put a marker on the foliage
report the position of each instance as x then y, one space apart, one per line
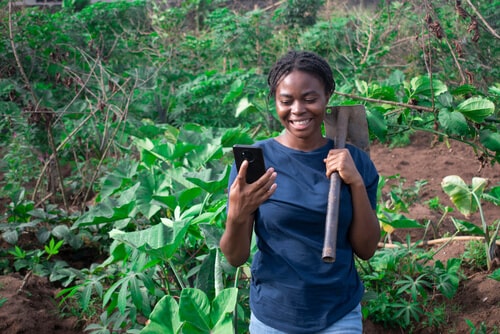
404 290
474 255
116 122
468 200
393 205
481 328
194 313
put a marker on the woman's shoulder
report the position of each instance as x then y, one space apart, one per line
354 150
264 142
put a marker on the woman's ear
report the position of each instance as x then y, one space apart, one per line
328 96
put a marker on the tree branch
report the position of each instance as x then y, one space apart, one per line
492 31
392 103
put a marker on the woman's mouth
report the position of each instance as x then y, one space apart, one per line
300 124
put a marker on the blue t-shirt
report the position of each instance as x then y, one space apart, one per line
292 289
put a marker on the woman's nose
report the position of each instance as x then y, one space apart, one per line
298 108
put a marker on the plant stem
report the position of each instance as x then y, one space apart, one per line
177 277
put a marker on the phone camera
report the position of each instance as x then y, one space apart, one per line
247 155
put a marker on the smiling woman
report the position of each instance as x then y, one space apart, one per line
287 209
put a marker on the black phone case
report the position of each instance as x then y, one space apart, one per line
255 158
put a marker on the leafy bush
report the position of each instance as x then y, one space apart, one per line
404 290
116 121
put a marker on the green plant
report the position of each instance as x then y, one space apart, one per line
164 214
467 199
300 13
482 329
495 275
475 256
434 204
53 248
194 313
403 289
394 203
2 301
108 95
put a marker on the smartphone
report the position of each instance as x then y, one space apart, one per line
255 158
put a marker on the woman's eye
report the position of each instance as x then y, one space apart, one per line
286 102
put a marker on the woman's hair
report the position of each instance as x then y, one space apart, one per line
305 61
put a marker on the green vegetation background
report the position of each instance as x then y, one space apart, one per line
117 121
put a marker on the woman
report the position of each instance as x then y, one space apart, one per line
292 289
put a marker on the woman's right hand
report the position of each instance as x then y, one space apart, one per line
245 198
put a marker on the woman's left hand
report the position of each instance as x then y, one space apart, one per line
340 160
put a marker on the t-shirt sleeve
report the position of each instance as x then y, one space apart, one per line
369 173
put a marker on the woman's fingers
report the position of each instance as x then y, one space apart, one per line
340 160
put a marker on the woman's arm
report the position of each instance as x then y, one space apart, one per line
364 233
244 199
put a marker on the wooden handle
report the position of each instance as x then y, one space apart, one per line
332 212
332 220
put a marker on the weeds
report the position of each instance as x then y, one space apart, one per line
404 290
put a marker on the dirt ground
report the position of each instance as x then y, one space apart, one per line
35 310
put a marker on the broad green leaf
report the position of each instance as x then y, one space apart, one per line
464 198
85 297
109 293
449 279
467 227
361 86
399 221
454 122
160 240
422 86
61 231
122 174
152 185
490 139
209 181
225 325
110 210
243 106
205 279
135 292
212 234
188 196
154 151
223 304
235 136
476 108
234 91
165 318
495 275
493 195
122 295
10 237
446 100
377 123
465 90
194 308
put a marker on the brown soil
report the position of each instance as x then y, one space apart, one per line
35 309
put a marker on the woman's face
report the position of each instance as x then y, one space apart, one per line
300 104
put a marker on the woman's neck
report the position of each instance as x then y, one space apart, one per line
301 144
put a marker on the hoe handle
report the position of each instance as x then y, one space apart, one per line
332 212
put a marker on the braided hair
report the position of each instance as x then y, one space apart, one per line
305 61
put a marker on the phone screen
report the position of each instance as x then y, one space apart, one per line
255 158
